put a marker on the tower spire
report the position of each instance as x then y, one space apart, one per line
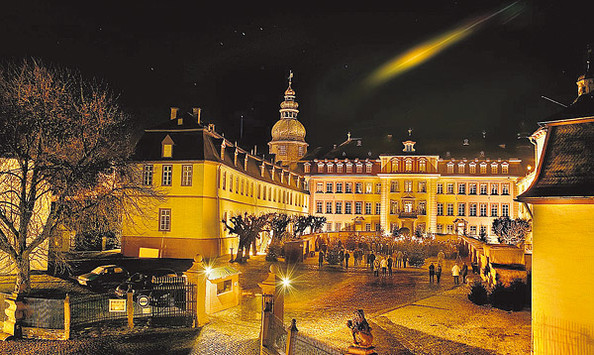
588 74
585 81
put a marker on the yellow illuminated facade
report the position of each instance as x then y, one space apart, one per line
424 193
204 179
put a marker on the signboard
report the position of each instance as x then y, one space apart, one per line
117 305
143 301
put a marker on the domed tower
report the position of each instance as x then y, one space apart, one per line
585 82
288 134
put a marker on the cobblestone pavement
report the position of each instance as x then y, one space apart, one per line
320 300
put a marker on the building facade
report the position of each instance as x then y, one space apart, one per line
423 192
202 179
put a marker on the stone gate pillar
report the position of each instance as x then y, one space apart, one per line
197 275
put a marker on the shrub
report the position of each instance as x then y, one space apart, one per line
273 252
509 298
478 293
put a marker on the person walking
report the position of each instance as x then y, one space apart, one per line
431 273
390 262
376 266
456 274
464 272
405 259
399 259
384 266
372 260
320 258
438 272
341 256
347 256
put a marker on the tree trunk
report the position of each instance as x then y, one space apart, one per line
23 277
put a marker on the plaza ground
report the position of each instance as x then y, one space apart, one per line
407 313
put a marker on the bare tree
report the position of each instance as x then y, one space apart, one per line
511 231
64 151
278 224
247 228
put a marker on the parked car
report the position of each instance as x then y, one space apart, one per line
103 277
151 286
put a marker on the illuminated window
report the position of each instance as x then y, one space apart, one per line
408 165
483 209
359 168
494 209
282 150
393 207
378 188
167 151
450 209
439 188
329 187
368 167
378 208
505 168
224 286
320 167
307 167
165 219
348 188
368 188
472 230
450 168
422 208
186 175
349 168
472 210
505 189
494 189
393 186
166 175
338 208
319 206
358 188
395 164
378 227
483 189
494 168
422 186
330 167
422 165
461 168
408 186
301 151
472 168
358 207
483 230
462 188
338 226
450 188
328 207
339 168
450 228
339 187
483 167
461 209
147 175
472 189
320 187
504 210
440 209
367 207
348 207
368 227
440 228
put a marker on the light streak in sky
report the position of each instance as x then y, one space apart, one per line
427 50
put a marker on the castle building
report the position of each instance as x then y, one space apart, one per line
288 134
203 179
356 189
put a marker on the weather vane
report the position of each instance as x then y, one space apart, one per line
290 76
410 132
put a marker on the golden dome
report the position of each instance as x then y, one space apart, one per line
289 91
288 130
289 104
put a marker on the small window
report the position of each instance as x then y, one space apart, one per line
282 150
167 150
348 207
186 175
147 175
505 168
165 219
166 175
225 286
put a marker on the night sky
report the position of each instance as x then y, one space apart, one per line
234 62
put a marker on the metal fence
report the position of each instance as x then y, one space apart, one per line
305 345
276 341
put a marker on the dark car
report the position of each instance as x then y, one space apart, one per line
103 277
159 288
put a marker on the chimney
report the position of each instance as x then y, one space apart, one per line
196 113
174 113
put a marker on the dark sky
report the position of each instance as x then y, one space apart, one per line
233 61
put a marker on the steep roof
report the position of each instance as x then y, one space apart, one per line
566 168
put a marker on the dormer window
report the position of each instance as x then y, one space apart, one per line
167 147
368 167
472 168
505 168
408 165
494 168
450 168
483 168
461 168
339 168
359 168
422 165
307 167
330 168
409 146
349 168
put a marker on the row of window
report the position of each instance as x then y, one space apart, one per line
408 165
242 186
483 188
482 168
472 230
330 187
408 186
408 206
167 175
340 167
348 227
474 209
282 150
348 207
